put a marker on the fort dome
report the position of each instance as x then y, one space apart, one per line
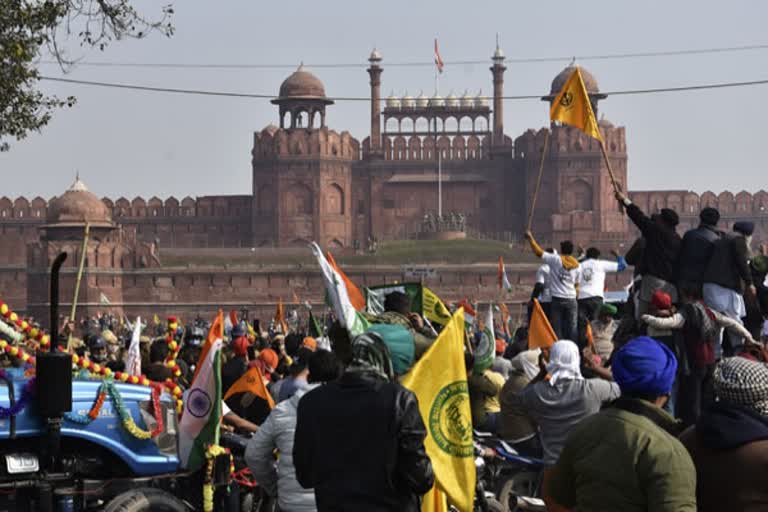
302 84
78 206
589 81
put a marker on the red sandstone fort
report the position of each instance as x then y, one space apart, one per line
311 182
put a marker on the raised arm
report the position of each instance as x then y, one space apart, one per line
676 321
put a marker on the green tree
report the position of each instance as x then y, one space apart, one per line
31 29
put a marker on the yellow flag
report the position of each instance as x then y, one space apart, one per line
433 308
572 106
540 332
439 381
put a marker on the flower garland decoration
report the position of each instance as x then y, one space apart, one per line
18 352
9 331
108 388
173 346
31 331
211 452
26 394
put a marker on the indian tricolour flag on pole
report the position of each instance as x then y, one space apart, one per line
438 59
199 426
338 297
504 283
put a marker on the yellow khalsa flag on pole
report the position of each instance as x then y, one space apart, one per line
439 381
572 106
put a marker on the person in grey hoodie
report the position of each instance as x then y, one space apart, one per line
279 479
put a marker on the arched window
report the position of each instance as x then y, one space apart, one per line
334 200
298 200
579 196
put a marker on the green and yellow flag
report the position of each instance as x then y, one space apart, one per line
439 381
572 106
433 307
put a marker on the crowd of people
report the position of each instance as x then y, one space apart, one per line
656 403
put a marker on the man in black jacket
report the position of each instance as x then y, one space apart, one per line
359 441
662 248
696 250
728 276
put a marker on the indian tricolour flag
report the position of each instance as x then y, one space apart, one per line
199 426
338 296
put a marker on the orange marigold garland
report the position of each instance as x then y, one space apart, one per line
173 346
22 325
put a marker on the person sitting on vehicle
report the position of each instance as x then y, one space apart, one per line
360 440
565 398
729 443
277 433
157 370
397 310
627 457
515 425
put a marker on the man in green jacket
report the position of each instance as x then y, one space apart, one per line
627 457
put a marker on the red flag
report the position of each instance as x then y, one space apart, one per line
438 59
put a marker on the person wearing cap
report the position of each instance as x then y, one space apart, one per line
309 343
728 276
603 328
694 348
627 457
560 401
729 443
697 247
501 364
660 255
359 441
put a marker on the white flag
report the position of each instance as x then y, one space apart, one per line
133 355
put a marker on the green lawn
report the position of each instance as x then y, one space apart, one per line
408 252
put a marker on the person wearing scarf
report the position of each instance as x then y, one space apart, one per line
729 443
627 456
359 441
564 398
514 424
565 274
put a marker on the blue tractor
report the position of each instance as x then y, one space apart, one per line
51 462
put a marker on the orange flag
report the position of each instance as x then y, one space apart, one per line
215 333
540 332
233 317
280 316
355 295
295 298
590 336
505 319
251 382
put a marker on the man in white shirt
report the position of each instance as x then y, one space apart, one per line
541 290
564 278
592 287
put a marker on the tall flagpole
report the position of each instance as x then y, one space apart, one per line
439 159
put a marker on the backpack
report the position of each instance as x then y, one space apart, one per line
699 332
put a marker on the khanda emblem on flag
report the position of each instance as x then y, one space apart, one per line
567 100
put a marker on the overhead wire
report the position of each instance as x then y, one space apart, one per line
351 65
202 92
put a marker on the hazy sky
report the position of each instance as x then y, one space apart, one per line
130 142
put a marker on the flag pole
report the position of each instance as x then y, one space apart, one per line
615 184
538 180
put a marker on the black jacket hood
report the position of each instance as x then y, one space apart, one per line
725 426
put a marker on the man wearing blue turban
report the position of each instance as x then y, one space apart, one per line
627 457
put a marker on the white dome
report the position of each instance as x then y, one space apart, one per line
467 101
408 101
422 101
393 101
480 100
436 101
452 100
375 56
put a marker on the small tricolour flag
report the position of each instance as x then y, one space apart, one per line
504 283
438 59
